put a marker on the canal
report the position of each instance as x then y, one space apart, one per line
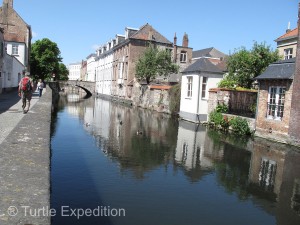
116 165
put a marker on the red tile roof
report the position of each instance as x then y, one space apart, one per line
289 34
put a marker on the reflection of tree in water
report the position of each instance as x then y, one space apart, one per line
232 172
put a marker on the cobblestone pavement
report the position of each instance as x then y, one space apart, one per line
25 160
11 111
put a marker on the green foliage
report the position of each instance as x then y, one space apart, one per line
222 108
155 62
240 126
174 101
244 65
45 59
63 72
227 83
216 118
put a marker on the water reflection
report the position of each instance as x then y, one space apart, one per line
262 174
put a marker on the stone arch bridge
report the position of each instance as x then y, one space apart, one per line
88 87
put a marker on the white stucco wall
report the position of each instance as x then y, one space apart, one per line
74 71
91 69
11 72
21 50
195 108
104 77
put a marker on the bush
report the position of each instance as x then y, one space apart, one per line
222 108
216 118
240 126
227 83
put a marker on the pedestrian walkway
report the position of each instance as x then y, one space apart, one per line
25 159
11 111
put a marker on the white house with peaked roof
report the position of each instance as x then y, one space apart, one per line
206 72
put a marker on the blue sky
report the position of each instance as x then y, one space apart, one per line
78 26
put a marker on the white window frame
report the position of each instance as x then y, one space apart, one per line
189 86
15 49
276 100
288 53
204 87
183 57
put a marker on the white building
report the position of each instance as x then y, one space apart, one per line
104 69
11 72
206 72
90 68
74 71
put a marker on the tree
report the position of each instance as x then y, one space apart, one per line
63 72
155 62
244 65
45 59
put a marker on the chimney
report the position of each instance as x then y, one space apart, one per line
288 29
294 121
175 49
175 39
185 40
9 3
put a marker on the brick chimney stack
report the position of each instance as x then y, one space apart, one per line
10 3
294 126
185 40
175 49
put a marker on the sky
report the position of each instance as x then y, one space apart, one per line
78 27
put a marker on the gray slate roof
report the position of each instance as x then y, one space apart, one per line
284 69
208 52
203 65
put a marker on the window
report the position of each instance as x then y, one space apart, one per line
189 86
121 70
183 57
15 50
288 53
204 82
276 103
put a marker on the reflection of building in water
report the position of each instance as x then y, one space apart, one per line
267 173
267 167
275 168
193 147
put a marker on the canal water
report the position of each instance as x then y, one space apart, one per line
116 165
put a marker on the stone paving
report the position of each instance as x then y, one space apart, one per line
11 111
25 160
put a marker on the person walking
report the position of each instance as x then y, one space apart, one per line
25 90
40 87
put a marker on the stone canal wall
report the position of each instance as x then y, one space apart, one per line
25 167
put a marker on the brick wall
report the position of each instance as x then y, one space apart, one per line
269 128
294 131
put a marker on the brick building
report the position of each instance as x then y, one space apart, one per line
115 61
17 33
274 100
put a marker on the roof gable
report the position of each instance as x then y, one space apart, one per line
208 52
148 33
288 35
207 65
